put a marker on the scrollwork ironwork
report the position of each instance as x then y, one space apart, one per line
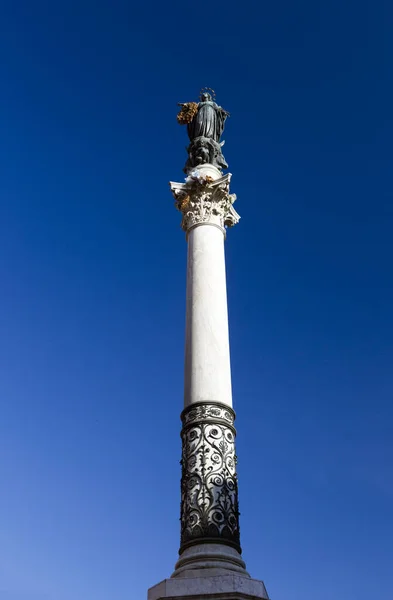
209 495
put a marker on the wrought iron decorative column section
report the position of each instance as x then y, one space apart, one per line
209 499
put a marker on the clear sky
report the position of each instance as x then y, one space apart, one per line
92 271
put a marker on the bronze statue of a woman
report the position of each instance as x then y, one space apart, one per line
205 124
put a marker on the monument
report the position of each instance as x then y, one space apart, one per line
210 565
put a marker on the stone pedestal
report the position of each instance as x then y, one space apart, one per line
210 565
219 587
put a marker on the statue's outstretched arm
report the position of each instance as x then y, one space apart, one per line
222 110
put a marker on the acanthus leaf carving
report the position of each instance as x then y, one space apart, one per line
203 200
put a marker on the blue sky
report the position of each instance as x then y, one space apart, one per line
92 271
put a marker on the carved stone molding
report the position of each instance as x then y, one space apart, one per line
209 495
204 200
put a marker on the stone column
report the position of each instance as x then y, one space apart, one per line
210 563
209 503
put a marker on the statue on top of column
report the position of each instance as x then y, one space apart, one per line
205 122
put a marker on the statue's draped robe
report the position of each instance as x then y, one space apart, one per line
208 122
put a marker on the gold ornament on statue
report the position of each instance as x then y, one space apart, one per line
187 112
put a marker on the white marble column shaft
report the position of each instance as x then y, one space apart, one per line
207 376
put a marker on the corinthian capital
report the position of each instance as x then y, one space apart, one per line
205 199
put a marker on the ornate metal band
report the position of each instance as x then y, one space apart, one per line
209 496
